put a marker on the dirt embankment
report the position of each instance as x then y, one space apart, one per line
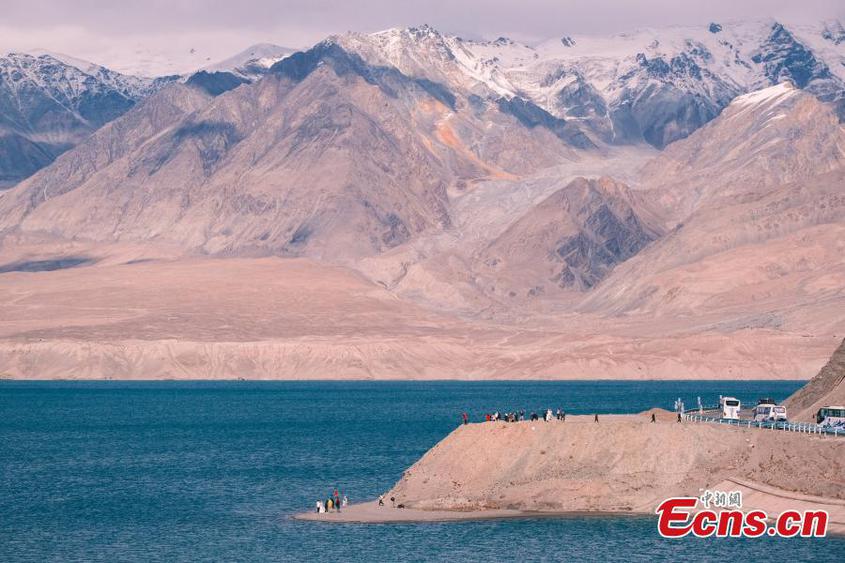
621 464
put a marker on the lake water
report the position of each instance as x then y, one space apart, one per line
184 471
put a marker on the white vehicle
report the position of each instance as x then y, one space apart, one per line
730 407
830 416
769 412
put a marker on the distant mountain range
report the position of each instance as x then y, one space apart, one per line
677 181
49 102
651 85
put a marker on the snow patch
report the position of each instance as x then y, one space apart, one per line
774 95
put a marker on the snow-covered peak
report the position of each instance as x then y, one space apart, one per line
252 61
659 84
67 77
771 96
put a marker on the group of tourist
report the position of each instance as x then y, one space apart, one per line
332 504
518 416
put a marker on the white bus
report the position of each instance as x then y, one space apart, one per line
730 407
769 412
830 416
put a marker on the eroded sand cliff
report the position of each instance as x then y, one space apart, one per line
621 464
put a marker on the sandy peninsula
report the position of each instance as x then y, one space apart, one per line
622 464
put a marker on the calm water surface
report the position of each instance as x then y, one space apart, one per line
183 471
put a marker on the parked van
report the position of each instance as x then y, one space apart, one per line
767 411
763 412
730 407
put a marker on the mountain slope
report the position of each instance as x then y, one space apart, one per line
326 156
657 85
243 68
773 136
102 149
48 106
759 222
571 240
653 85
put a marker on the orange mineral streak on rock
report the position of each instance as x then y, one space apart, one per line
446 135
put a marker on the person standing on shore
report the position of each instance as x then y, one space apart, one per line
596 419
381 500
466 418
652 417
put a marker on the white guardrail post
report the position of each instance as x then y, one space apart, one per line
800 427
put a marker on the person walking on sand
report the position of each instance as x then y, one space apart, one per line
652 417
596 418
563 415
679 416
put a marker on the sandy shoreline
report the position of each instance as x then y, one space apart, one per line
371 513
617 467
756 496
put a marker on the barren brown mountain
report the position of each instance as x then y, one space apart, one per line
759 251
570 241
327 156
361 212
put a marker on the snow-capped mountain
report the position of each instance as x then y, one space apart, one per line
651 85
656 85
49 102
243 68
253 62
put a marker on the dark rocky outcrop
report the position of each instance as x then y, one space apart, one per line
215 83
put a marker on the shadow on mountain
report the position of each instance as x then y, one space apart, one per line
64 263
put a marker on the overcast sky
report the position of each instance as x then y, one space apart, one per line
130 34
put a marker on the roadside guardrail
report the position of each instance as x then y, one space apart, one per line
800 427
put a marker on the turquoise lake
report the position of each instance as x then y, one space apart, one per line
212 471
